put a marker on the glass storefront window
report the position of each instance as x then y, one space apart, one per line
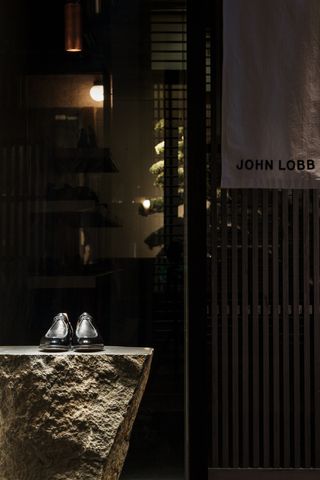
92 152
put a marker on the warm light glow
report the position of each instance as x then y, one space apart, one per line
146 204
73 27
97 93
98 6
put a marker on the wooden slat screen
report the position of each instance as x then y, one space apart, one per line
23 180
265 329
168 64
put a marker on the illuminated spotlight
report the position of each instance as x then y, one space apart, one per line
97 92
146 204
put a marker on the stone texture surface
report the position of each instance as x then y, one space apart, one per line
68 416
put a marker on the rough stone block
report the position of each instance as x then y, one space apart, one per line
68 416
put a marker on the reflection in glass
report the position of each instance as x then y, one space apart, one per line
92 152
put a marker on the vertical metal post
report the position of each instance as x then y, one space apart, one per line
276 399
196 268
296 330
215 26
316 320
256 330
286 380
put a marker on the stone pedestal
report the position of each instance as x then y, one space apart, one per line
68 416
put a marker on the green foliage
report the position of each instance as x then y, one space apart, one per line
157 168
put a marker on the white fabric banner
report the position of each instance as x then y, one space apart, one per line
271 94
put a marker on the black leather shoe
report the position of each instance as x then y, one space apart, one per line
59 336
86 337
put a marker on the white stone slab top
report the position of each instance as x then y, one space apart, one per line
34 350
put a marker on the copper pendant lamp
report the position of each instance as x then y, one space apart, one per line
97 6
73 26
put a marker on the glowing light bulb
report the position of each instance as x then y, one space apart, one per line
146 204
97 93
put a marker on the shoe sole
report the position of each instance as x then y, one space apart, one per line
88 348
54 349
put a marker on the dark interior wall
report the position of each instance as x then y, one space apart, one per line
12 59
13 299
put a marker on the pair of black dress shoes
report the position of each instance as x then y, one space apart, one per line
60 337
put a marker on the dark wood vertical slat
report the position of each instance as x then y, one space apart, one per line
215 339
30 206
171 137
306 319
235 334
285 333
3 180
21 178
7 201
225 333
255 334
265 315
21 203
296 330
12 211
276 329
2 189
196 421
3 203
245 444
42 189
316 319
216 80
35 209
41 217
21 219
15 201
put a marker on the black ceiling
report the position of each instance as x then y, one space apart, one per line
44 39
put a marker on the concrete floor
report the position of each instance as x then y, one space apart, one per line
165 474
